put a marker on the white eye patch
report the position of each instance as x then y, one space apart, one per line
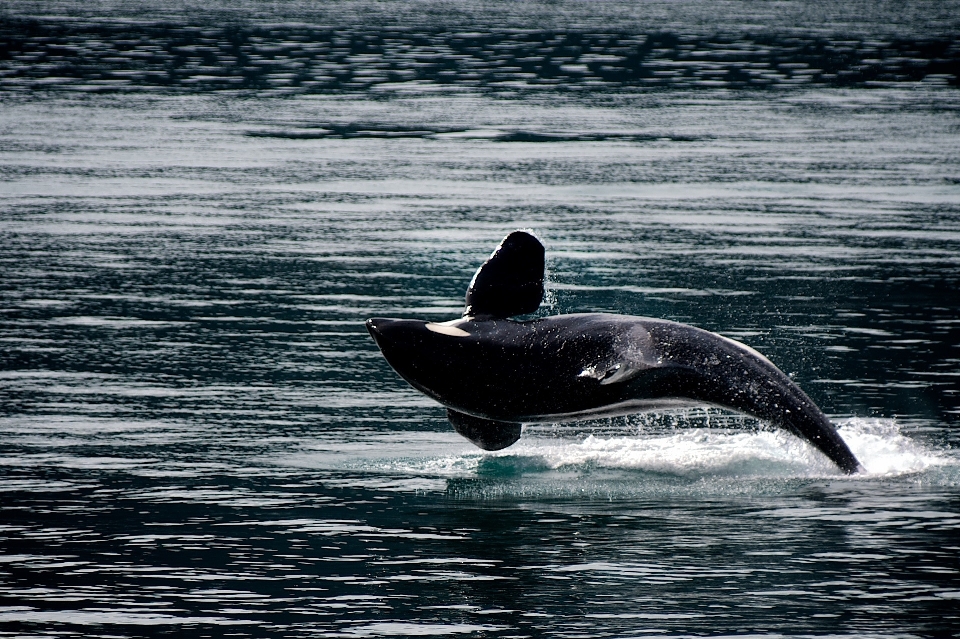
446 329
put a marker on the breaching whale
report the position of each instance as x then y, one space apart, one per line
493 373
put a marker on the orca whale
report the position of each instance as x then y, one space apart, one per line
493 373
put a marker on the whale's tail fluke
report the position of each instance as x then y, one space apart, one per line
821 433
723 372
791 408
785 405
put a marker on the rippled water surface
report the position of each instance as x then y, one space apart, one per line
199 438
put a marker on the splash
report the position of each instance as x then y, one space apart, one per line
884 450
699 447
689 453
879 444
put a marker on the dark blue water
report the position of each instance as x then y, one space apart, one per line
200 205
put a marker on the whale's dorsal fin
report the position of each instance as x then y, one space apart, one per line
510 282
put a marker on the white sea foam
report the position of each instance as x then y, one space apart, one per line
684 453
694 452
879 444
884 450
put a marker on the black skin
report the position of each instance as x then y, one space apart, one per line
494 374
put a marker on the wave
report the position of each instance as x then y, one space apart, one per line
126 55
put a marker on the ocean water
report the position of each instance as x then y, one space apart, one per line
201 204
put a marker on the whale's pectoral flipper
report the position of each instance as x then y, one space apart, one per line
511 281
488 434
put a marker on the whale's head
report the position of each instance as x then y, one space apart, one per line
435 358
426 354
445 361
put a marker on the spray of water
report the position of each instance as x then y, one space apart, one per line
699 447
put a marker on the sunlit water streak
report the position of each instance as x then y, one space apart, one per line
198 437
